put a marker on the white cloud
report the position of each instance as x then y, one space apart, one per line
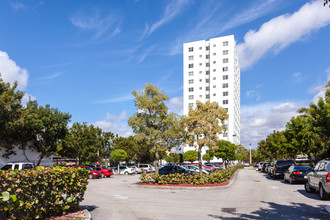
297 77
11 72
258 121
176 105
94 22
280 32
122 116
121 129
117 99
319 89
17 6
28 97
174 8
142 57
252 94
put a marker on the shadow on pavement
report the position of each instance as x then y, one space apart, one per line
279 211
309 195
88 207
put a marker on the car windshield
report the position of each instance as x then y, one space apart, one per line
284 163
6 167
88 168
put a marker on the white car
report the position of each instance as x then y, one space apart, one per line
124 170
18 166
136 169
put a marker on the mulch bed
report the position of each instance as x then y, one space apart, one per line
73 215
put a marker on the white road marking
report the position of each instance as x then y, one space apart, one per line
274 187
120 197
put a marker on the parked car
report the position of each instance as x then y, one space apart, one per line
209 169
146 168
319 179
280 166
173 169
212 165
246 164
136 169
264 166
18 166
195 169
296 173
104 172
93 174
260 166
124 170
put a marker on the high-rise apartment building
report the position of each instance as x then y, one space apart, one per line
211 72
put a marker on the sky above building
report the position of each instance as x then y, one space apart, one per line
86 57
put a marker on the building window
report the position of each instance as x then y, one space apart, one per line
207 56
214 62
200 56
207 80
200 48
225 60
225 85
214 86
191 97
190 57
191 145
191 104
191 49
214 94
191 89
226 109
200 80
207 88
191 65
207 97
214 78
225 77
200 64
191 81
200 96
200 72
214 70
225 52
200 88
225 69
214 54
207 64
208 72
225 43
214 45
191 73
207 48
225 93
225 134
225 102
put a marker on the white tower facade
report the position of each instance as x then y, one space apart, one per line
211 72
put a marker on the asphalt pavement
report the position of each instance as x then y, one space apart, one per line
252 195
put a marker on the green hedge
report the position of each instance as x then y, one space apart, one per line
217 176
41 192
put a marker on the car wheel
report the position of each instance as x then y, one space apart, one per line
126 173
274 177
323 194
308 188
284 179
102 175
90 176
291 180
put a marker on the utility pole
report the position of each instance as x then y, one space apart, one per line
250 155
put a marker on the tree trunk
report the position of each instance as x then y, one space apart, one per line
118 167
156 162
200 160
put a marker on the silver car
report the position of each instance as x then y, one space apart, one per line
319 179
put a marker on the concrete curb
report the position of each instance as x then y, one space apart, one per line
188 188
327 209
88 215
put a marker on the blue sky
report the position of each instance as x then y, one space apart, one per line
86 57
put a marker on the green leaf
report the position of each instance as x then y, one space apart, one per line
69 199
13 197
21 203
5 196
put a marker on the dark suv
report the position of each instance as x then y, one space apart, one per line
172 169
279 168
319 179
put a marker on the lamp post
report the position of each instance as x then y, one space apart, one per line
250 155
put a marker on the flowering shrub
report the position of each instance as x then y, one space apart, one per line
41 192
217 176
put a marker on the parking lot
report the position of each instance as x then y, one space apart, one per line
251 196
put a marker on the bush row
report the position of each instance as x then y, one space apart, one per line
41 192
217 176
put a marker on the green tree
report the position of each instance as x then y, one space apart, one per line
10 112
128 145
225 150
48 125
169 159
190 155
207 157
152 122
203 125
83 142
176 157
118 155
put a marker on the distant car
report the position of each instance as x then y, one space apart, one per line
209 169
213 166
136 169
296 173
246 164
93 174
260 166
173 169
146 168
319 179
18 166
280 166
104 172
195 169
124 170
